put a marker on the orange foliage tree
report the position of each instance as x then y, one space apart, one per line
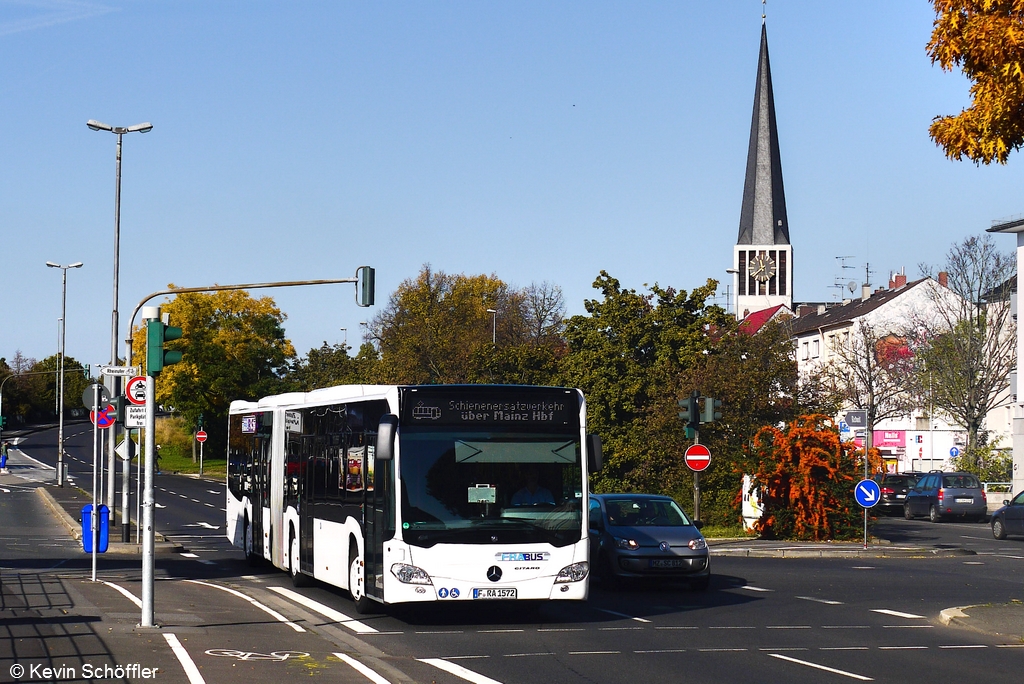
806 475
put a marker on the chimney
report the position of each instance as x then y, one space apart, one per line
804 310
865 292
943 279
821 308
899 281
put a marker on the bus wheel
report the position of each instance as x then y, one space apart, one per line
247 542
298 579
355 584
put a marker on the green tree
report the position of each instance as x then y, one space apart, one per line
233 347
44 398
626 356
330 365
985 39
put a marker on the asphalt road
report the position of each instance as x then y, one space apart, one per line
762 620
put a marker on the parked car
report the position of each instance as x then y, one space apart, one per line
940 495
894 488
634 536
1010 518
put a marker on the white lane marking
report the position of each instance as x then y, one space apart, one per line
203 524
210 505
459 671
566 629
631 617
618 629
966 646
213 492
820 600
846 626
788 627
440 631
821 667
1009 645
737 627
188 555
362 669
326 611
159 505
127 594
468 657
594 652
525 655
901 648
185 659
664 650
973 563
971 536
1001 555
843 648
675 628
196 500
896 613
499 631
266 609
908 626
863 567
720 650
794 648
750 588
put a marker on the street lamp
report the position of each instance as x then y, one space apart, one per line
63 340
494 326
735 288
119 131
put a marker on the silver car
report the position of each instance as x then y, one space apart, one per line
635 536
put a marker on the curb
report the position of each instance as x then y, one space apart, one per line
993 625
74 528
843 553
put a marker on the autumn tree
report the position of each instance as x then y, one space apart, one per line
805 476
984 39
233 347
972 341
437 328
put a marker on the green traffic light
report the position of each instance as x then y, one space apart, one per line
156 356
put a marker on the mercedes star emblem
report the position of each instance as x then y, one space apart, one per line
494 573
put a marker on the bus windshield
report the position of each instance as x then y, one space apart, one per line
487 487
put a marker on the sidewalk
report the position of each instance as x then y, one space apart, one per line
877 548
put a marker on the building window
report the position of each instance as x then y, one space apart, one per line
804 356
815 350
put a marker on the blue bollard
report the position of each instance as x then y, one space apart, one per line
103 530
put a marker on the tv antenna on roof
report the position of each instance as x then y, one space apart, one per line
842 262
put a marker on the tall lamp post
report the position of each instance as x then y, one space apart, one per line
60 390
119 131
735 286
494 326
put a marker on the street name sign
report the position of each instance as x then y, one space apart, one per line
867 493
857 419
697 457
120 371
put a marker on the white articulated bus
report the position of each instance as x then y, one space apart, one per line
406 494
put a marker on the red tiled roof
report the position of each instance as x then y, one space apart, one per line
755 321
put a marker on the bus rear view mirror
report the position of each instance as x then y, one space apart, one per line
386 432
594 458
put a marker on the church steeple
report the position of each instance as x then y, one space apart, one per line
763 256
763 216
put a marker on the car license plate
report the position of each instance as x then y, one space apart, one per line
494 593
667 562
964 500
901 496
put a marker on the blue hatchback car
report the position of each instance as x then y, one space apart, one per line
634 536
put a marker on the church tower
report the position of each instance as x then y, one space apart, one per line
763 257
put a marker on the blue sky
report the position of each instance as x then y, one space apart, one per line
536 141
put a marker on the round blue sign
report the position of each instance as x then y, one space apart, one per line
867 493
954 452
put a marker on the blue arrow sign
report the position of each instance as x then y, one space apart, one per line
867 493
954 452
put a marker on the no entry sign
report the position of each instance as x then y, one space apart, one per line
697 457
201 436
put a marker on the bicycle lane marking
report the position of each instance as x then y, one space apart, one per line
185 659
266 609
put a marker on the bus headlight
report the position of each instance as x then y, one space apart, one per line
573 573
410 574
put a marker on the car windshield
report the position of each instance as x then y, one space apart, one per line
487 487
637 512
900 481
960 482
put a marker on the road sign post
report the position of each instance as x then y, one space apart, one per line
697 458
867 494
201 437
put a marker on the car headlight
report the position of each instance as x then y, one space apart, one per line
573 573
698 544
410 574
627 544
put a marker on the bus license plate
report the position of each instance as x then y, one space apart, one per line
667 562
493 593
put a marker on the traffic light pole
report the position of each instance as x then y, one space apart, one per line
148 536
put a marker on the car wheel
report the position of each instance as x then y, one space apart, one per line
356 584
998 531
298 579
906 512
934 515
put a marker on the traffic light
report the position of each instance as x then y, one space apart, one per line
200 421
86 370
119 403
3 422
158 332
364 286
711 413
690 414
